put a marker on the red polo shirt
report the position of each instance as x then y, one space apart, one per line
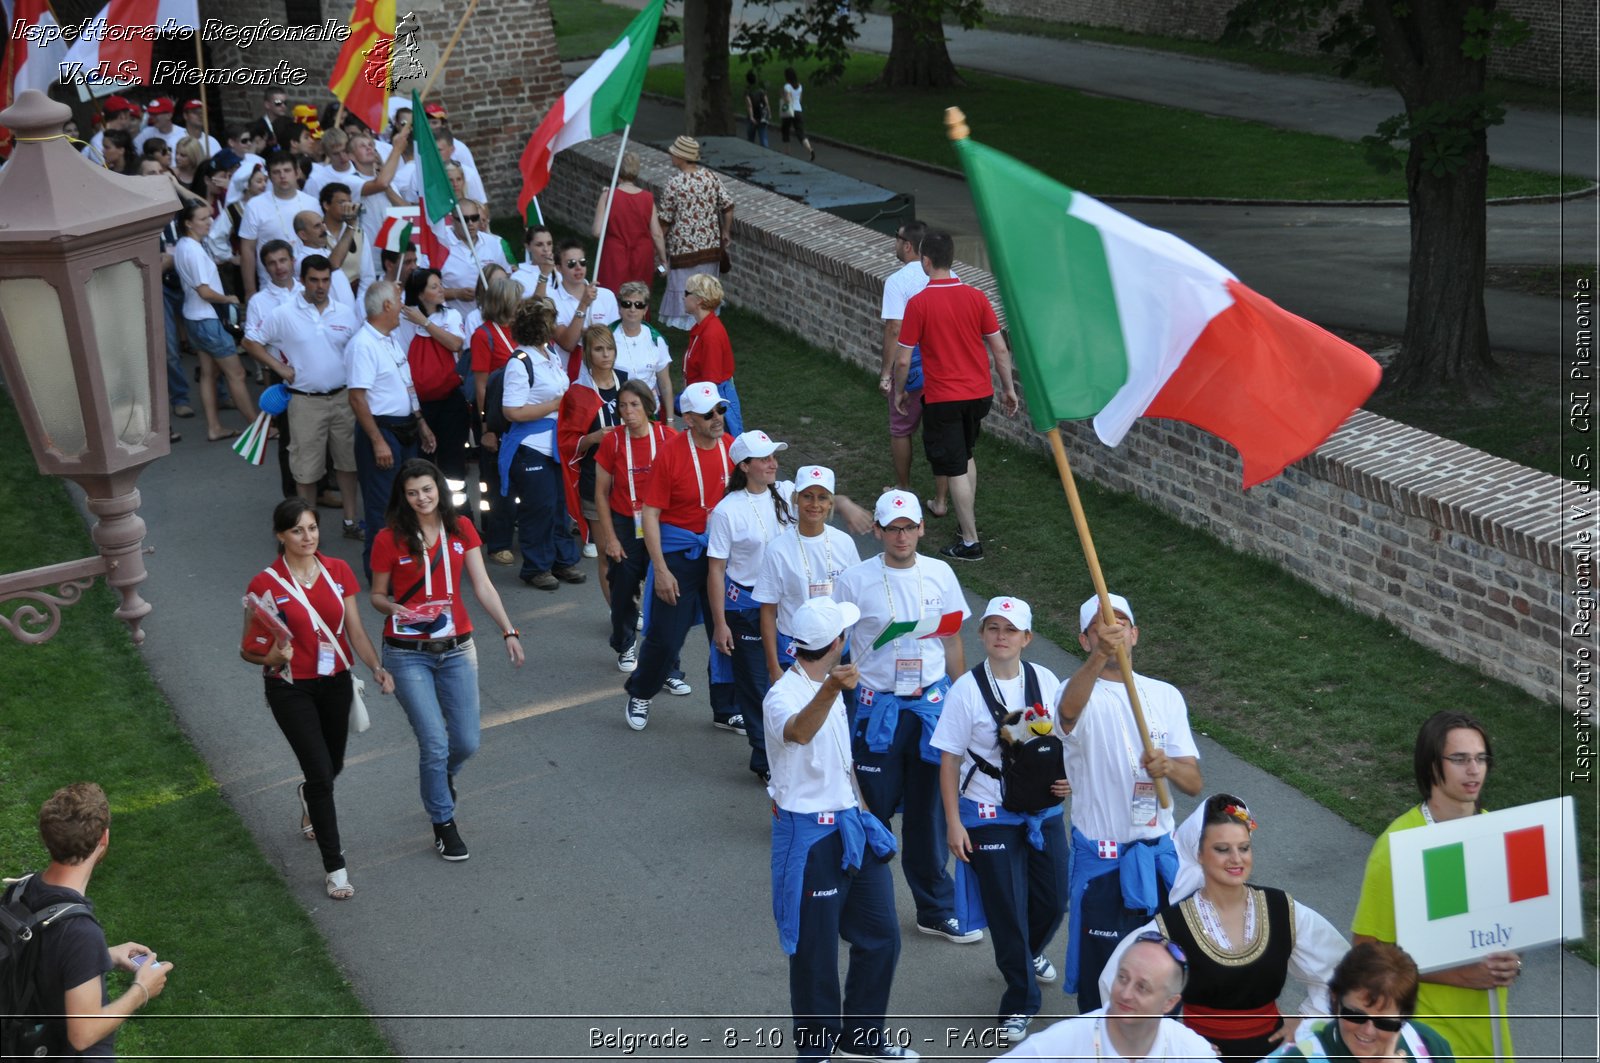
683 500
949 320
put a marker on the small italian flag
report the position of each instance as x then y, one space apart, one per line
1520 853
929 627
1114 320
602 100
252 446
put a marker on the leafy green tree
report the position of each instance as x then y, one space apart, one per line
1435 53
824 30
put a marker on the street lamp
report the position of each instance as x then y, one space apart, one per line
82 353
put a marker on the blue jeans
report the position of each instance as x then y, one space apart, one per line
750 682
899 778
439 692
542 520
177 383
376 484
756 132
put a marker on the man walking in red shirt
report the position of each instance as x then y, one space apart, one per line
954 323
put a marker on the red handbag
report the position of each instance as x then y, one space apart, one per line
433 368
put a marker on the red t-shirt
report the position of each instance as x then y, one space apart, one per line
327 599
612 456
674 490
949 320
710 354
491 348
389 554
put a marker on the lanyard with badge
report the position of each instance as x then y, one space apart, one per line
819 588
907 654
1144 808
432 619
327 648
699 478
633 494
402 365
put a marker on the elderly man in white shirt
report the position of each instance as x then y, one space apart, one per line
386 407
311 332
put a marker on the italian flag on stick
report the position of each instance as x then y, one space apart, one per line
602 100
1114 320
929 627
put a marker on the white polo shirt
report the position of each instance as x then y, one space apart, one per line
643 356
378 365
796 568
527 275
741 526
967 725
814 777
899 287
541 380
928 588
261 306
1104 756
312 341
603 311
267 218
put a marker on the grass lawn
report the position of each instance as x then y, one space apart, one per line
1286 677
1098 145
1577 99
585 28
183 876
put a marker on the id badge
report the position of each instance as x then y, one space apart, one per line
638 527
324 656
411 393
820 590
907 676
1144 804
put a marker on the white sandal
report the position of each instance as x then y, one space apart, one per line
306 830
339 887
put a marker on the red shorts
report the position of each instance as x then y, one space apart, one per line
902 425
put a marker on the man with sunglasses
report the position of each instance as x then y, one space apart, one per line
689 477
1451 762
904 679
1133 1026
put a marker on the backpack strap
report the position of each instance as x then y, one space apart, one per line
1030 694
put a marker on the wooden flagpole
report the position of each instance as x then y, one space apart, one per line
611 194
444 57
200 64
1107 615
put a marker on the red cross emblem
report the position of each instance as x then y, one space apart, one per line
825 819
816 474
988 812
1107 850
1005 605
899 502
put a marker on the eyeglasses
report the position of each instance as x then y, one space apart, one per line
1172 950
577 263
473 219
279 103
1461 760
1360 1018
629 304
898 529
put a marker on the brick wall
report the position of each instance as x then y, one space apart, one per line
1460 550
501 77
1560 46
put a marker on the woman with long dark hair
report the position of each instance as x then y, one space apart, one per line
432 334
309 684
420 562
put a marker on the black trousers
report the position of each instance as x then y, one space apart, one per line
314 715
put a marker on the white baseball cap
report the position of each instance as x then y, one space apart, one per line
819 621
754 444
1091 609
813 476
892 505
1013 609
701 398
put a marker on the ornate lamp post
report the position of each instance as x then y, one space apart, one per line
81 349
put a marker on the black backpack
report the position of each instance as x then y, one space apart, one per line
494 414
26 1033
1028 767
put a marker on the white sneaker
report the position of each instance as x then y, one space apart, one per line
1014 1029
678 687
638 713
1043 970
589 550
885 1052
627 660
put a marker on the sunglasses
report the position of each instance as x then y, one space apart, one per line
577 263
1355 1015
1172 950
473 219
629 304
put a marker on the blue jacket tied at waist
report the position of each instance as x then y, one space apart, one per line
793 835
881 710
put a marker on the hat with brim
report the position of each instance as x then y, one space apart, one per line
819 621
685 148
754 444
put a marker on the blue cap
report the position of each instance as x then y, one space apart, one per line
227 159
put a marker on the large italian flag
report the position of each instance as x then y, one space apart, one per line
1114 320
602 100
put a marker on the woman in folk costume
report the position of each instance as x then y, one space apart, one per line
1243 941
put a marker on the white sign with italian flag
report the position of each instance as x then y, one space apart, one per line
1502 881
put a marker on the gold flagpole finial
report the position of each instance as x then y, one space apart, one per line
956 124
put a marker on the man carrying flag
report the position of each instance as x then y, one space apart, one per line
906 644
